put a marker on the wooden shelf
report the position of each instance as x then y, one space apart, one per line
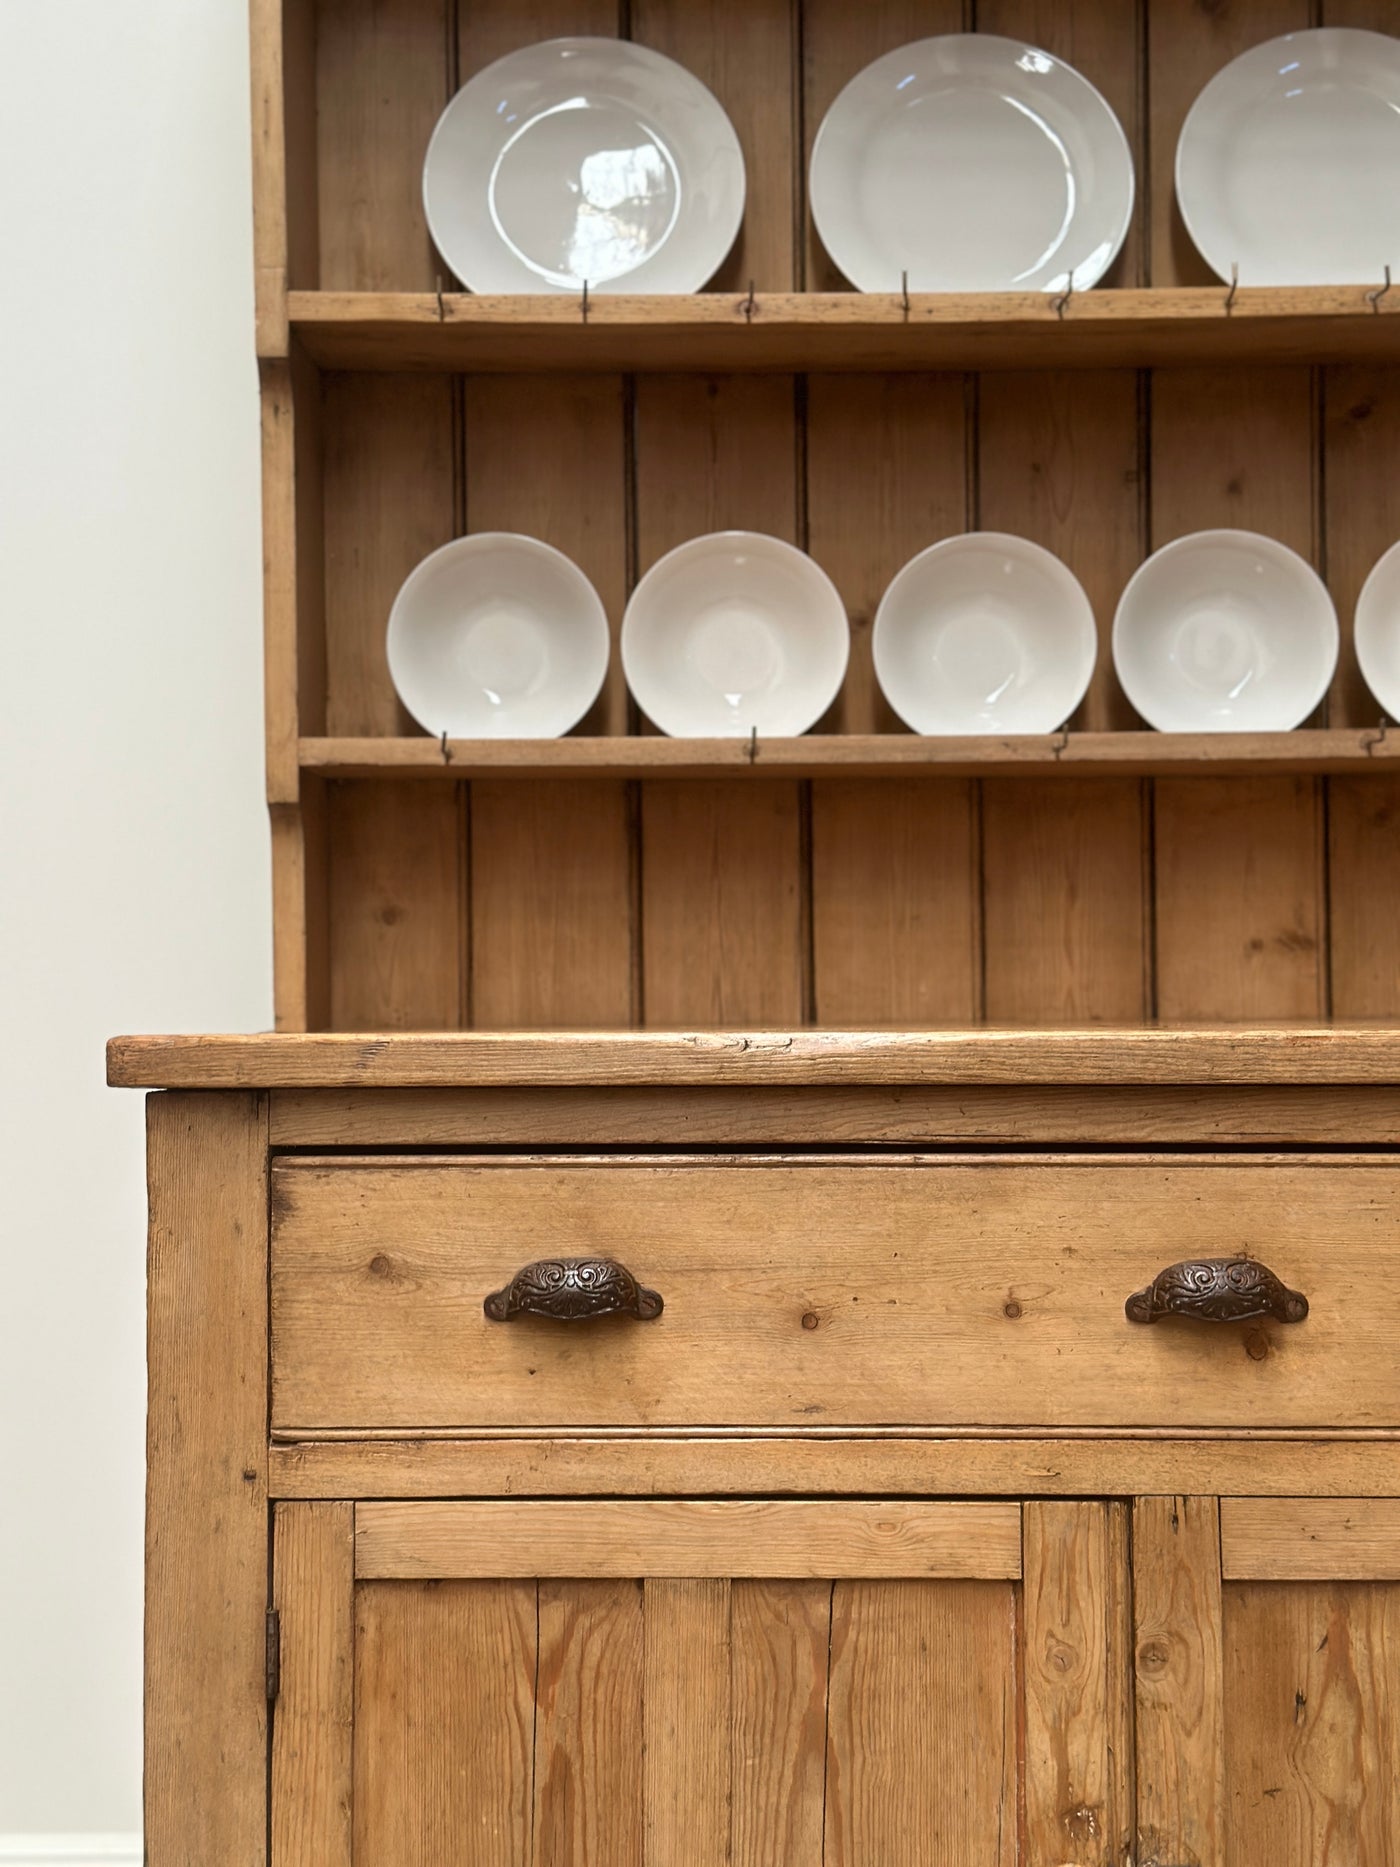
1260 1053
846 331
896 755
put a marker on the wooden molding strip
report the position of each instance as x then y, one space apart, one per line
1295 1054
1310 1539
770 1537
1352 750
731 331
928 1465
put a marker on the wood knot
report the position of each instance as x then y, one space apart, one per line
380 1266
1011 1310
810 1319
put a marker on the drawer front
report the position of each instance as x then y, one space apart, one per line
986 1293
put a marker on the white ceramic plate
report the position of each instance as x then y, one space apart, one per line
1288 164
1225 632
1377 631
584 160
984 633
498 637
734 632
976 164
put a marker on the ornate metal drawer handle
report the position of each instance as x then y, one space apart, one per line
1217 1290
573 1290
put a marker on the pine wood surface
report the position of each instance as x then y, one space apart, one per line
944 1462
777 1538
1129 329
1281 1054
206 1723
312 1781
827 1293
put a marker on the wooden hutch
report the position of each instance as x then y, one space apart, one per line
895 1066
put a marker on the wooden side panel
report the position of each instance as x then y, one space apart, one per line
921 1725
686 1780
1077 1801
444 1724
1240 902
1312 1724
1188 42
1180 1712
1364 879
746 55
206 1495
723 869
313 1568
780 1635
384 76
1063 865
589 1738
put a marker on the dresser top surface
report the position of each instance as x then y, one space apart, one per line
1309 1054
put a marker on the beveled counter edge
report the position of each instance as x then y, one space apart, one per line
1297 1054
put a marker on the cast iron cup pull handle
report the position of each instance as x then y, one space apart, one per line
573 1290
1217 1290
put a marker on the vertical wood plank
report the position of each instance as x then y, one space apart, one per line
886 476
206 1489
550 920
395 907
1075 1809
839 40
746 56
444 1723
1364 822
383 80
721 905
1063 912
781 1633
1240 903
588 1731
313 1569
921 1744
300 912
390 500
1361 510
486 33
1312 1723
302 227
1064 880
1180 1713
1239 899
686 1781
893 885
722 869
1188 42
894 902
1104 43
551 864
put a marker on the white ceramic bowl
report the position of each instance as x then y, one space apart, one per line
498 637
584 160
1225 632
974 163
734 632
1288 163
984 633
1377 631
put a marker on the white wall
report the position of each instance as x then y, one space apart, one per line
133 846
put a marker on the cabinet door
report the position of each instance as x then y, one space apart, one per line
1268 1681
689 1683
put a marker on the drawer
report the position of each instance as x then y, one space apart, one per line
830 1293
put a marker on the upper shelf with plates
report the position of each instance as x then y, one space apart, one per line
802 331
